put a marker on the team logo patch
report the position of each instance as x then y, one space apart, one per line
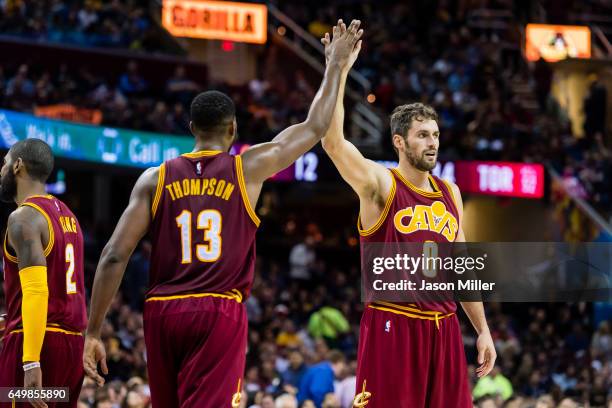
199 168
388 326
361 399
434 217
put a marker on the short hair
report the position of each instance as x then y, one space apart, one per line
336 356
403 115
37 157
211 109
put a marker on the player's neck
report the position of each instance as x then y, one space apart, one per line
209 146
417 177
28 189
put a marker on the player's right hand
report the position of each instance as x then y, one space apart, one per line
94 353
344 45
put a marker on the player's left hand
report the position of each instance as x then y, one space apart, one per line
33 379
486 353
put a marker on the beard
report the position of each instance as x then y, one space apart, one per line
8 187
420 163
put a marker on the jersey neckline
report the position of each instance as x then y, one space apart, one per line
429 194
201 153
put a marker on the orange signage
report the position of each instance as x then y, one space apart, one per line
557 42
70 113
216 20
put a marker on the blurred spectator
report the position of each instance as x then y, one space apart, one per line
131 82
294 373
329 324
180 88
286 401
319 379
302 258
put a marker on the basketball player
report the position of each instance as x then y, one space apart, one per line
43 280
199 209
410 356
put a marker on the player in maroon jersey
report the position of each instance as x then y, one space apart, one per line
410 355
43 280
199 209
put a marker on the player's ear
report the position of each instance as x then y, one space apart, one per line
18 165
233 129
398 142
191 127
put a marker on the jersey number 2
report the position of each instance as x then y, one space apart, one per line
71 287
210 222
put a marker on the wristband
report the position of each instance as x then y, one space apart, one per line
31 366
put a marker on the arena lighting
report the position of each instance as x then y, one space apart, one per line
216 20
557 42
371 98
281 30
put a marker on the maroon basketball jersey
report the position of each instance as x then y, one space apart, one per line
65 278
203 227
414 215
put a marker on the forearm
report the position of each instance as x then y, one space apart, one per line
335 133
106 283
476 314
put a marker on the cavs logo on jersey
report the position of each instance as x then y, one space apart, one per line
361 399
434 217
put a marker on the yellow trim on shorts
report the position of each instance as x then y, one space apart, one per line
243 191
52 329
383 214
234 294
423 315
430 194
160 188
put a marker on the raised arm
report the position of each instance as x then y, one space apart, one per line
132 226
263 160
27 230
368 178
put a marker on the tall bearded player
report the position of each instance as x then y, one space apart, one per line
43 280
410 355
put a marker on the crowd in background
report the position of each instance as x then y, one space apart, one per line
305 303
120 24
492 104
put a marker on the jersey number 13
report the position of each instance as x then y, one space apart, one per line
209 221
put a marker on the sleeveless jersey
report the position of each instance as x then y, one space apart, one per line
65 277
203 228
414 215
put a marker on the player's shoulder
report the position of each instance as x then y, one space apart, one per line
454 187
150 176
25 215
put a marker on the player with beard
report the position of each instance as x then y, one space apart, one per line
43 280
410 354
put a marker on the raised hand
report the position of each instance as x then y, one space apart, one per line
344 44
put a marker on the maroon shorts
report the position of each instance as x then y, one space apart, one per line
196 350
61 362
407 362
